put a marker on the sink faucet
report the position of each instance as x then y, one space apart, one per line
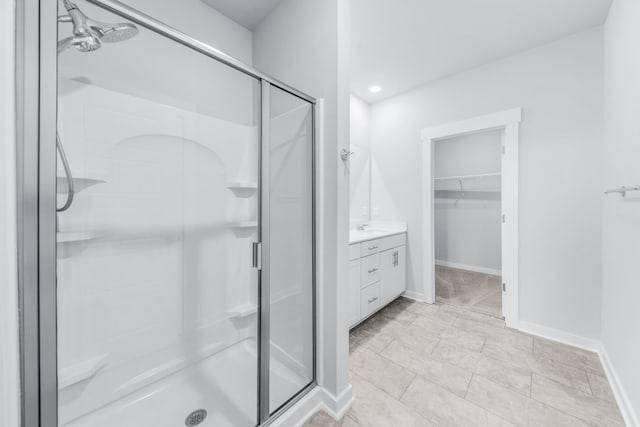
361 227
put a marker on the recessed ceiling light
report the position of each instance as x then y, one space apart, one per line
375 89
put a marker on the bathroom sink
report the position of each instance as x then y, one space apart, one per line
369 233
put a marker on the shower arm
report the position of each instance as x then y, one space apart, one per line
67 173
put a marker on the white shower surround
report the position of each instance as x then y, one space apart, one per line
162 247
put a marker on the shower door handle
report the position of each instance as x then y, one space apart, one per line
257 255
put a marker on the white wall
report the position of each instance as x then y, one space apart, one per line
305 43
359 162
559 87
198 20
467 224
9 365
621 220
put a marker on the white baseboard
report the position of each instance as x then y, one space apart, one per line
416 296
337 406
483 270
630 417
558 335
304 409
317 399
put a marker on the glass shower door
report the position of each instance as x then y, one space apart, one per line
290 242
156 292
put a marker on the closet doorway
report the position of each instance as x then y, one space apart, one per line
470 215
467 221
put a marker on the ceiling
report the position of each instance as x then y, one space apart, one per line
248 13
403 44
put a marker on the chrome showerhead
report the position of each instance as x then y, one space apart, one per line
88 34
116 32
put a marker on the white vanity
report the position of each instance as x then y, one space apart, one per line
377 269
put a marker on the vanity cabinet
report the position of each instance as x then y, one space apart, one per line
377 275
393 275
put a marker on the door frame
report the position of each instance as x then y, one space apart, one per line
509 122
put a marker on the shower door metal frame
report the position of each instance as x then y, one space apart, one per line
36 71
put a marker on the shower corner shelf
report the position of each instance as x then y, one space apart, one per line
242 189
243 228
76 236
242 311
242 225
81 371
79 183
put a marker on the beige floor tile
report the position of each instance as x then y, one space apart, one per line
581 405
505 374
388 376
514 338
418 339
491 304
347 421
421 308
567 375
448 376
571 356
501 401
428 364
445 408
481 318
321 419
398 311
547 416
600 387
456 355
468 340
434 323
361 337
447 313
374 408
474 291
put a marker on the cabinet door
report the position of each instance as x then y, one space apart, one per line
399 283
393 274
354 292
387 272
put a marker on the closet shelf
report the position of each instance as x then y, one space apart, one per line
79 184
486 182
242 189
462 177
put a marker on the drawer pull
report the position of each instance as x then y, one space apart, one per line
374 299
373 270
372 248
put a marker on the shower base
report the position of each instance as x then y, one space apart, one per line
224 384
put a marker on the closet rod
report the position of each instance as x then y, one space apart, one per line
459 177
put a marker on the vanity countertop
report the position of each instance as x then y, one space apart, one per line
375 231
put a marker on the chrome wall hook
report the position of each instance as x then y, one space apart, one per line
623 190
345 154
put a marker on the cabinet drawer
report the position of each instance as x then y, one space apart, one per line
370 247
393 241
369 299
354 251
370 270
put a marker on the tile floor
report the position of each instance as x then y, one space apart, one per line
468 289
416 364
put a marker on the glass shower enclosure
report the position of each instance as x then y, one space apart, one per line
184 261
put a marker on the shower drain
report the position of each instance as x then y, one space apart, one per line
195 418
